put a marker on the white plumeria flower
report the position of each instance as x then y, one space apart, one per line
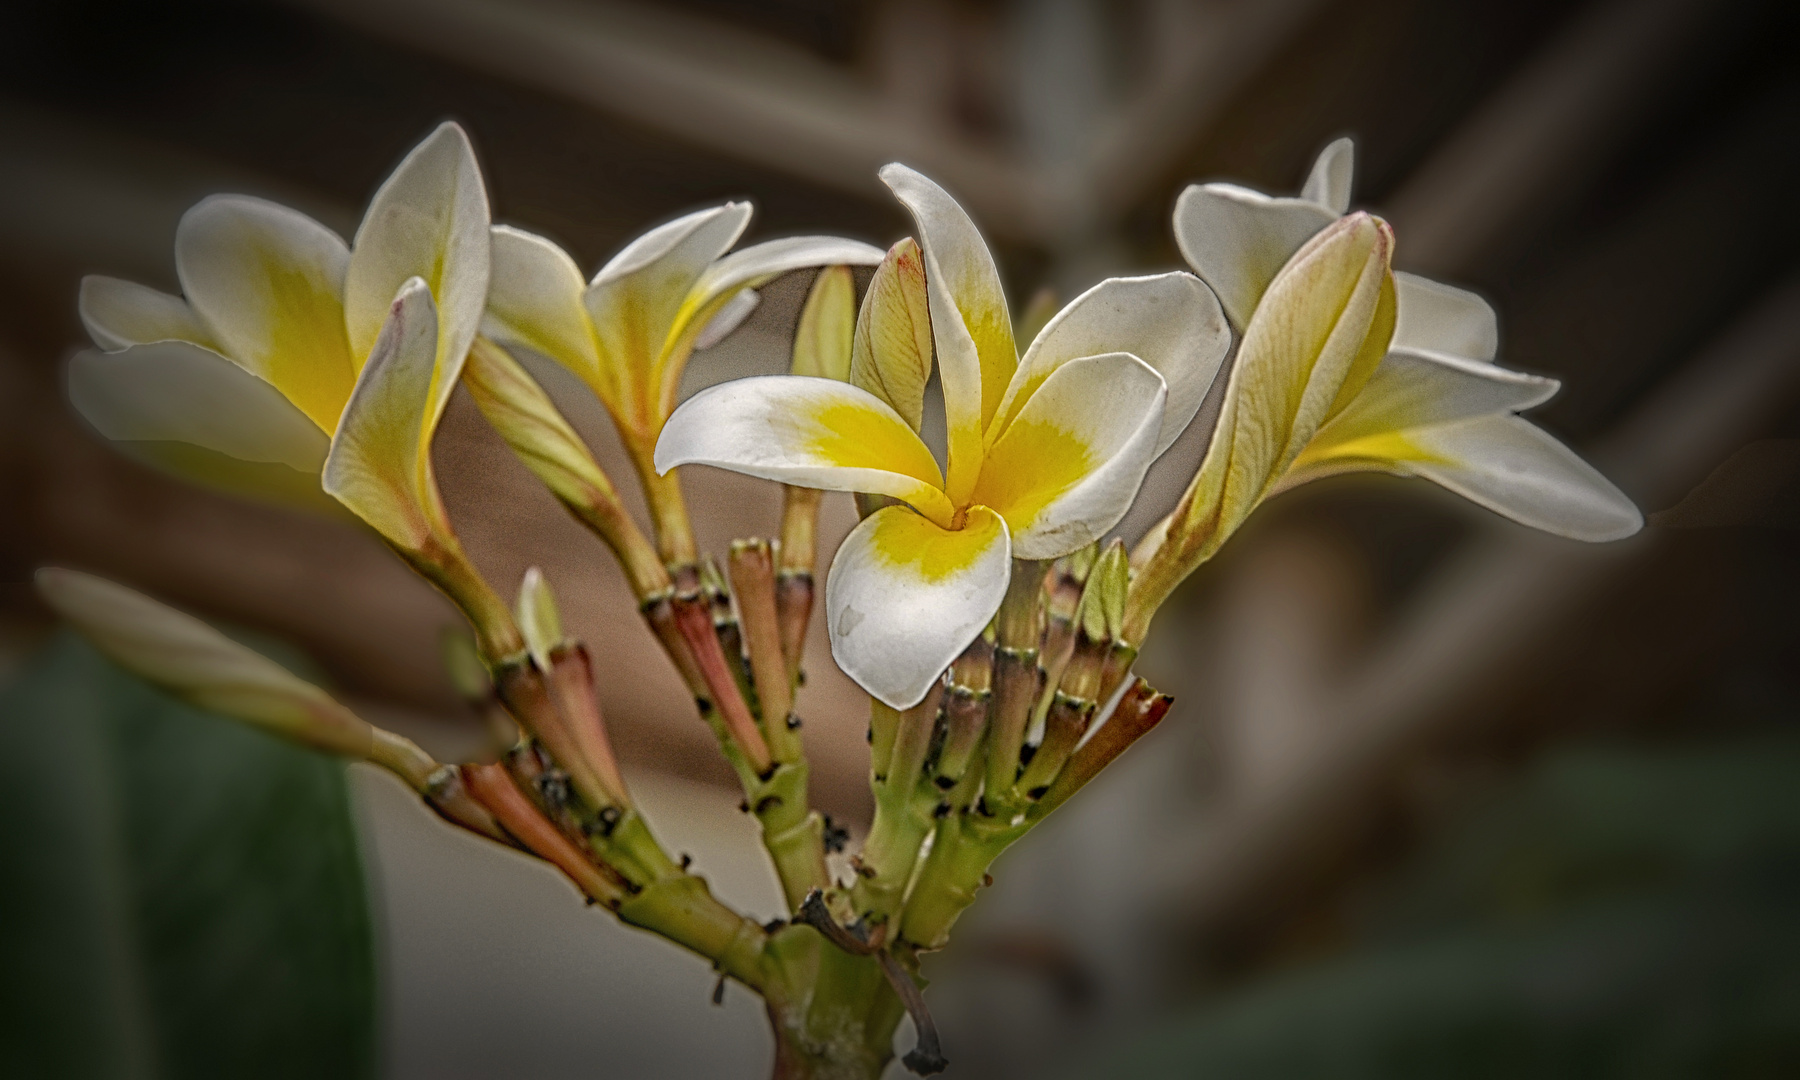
1437 406
628 333
291 346
1045 452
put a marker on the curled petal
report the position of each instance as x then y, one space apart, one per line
635 299
534 300
119 314
728 317
172 391
758 264
1416 389
904 597
428 220
1171 322
1517 470
1443 319
1237 240
970 323
268 284
1070 463
1329 182
816 433
380 461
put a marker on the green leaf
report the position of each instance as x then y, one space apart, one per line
183 895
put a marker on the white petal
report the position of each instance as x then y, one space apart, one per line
1171 322
1237 240
757 264
380 461
1441 318
1329 183
904 597
1070 463
172 391
1415 389
1514 468
119 314
428 220
810 432
534 300
268 282
965 270
655 273
729 317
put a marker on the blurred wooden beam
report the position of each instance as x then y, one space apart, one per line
761 100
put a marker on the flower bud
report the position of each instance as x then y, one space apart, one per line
199 665
539 619
892 350
822 340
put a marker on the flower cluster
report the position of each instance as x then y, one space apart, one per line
974 601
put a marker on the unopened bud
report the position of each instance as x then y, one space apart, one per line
203 667
822 340
539 619
1102 610
892 350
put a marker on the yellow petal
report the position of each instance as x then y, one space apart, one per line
429 219
816 433
635 298
892 352
1317 335
904 597
1070 463
534 300
268 284
827 322
380 462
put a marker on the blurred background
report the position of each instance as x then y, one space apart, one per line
1438 796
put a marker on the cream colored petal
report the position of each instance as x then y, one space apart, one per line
539 620
758 264
172 391
534 300
904 597
380 460
429 219
1171 322
1322 329
635 299
730 315
1443 319
1070 463
891 351
1329 182
119 314
1414 389
268 284
1237 240
809 432
965 270
827 323
196 663
1515 469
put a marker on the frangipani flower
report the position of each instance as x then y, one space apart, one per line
628 333
1045 452
1436 406
1345 365
244 383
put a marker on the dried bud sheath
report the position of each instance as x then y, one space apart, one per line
694 619
494 789
966 703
